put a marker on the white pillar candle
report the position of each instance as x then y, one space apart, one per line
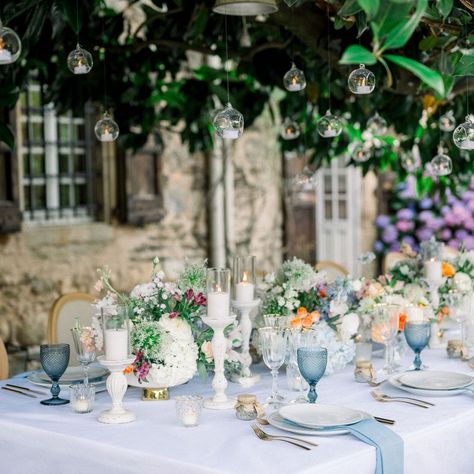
229 133
218 304
330 132
106 137
116 344
5 55
432 270
244 292
189 418
415 314
80 69
363 89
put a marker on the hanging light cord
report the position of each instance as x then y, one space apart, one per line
467 95
226 58
329 61
77 21
104 68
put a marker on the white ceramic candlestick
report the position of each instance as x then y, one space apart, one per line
220 401
116 386
246 379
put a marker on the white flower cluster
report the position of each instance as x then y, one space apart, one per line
299 275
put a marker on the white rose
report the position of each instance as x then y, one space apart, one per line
357 285
348 326
414 293
337 307
462 281
206 348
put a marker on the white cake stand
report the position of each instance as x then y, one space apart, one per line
116 386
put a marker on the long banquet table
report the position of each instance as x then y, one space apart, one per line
39 439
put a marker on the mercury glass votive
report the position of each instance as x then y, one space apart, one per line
188 409
82 397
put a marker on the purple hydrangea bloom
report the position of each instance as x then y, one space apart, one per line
405 214
395 247
410 240
425 216
424 234
469 224
445 234
445 210
435 224
405 226
426 203
469 242
378 246
389 234
453 243
382 221
461 234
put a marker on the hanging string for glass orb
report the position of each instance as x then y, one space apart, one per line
10 45
441 164
79 60
361 81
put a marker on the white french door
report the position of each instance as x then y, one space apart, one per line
338 214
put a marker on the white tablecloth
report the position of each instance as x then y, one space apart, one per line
39 439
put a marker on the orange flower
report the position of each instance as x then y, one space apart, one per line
322 293
128 370
302 311
445 310
316 316
447 269
307 321
401 321
296 322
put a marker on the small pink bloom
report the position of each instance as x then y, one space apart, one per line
99 285
174 314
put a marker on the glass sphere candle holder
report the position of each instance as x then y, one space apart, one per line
329 125
79 60
294 79
447 122
244 279
229 122
116 333
106 129
10 45
410 161
441 164
377 125
361 81
463 135
218 293
290 130
361 153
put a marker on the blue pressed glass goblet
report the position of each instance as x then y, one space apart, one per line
54 359
417 336
312 363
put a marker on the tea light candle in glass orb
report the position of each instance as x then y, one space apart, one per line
361 153
441 164
410 161
361 81
106 129
377 125
229 122
329 125
79 60
463 135
447 122
290 130
10 45
294 79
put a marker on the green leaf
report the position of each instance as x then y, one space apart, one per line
349 8
431 78
6 135
370 7
389 17
465 66
356 54
73 15
400 34
444 7
428 43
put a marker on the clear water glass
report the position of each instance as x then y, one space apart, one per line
84 343
385 323
274 343
276 321
54 360
82 397
188 409
312 362
417 336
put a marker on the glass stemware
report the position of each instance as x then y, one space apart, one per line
385 326
274 342
312 362
417 336
54 360
458 303
276 321
84 343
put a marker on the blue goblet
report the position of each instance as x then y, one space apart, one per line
417 336
312 362
54 359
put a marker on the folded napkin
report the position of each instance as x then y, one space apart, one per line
389 445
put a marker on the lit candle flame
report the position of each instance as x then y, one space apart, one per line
244 277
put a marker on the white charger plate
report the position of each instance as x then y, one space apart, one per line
435 380
277 421
393 380
320 415
72 375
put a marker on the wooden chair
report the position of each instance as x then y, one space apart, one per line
391 259
332 269
3 361
62 317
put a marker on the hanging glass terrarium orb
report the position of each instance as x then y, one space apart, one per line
361 81
290 130
377 125
294 79
447 122
229 122
106 129
79 60
463 136
304 181
441 164
245 7
410 161
361 153
10 45
329 125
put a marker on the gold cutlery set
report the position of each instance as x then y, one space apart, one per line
27 392
382 397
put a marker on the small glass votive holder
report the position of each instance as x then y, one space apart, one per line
364 371
188 409
455 349
82 397
363 351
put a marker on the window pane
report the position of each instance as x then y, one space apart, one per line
24 131
80 163
81 195
327 183
63 132
35 98
328 210
39 196
63 163
342 181
64 196
78 132
342 209
26 191
36 132
37 164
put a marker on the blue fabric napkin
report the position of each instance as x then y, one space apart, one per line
389 445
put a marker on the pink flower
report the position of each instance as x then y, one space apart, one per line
177 297
174 314
200 300
206 349
189 295
99 285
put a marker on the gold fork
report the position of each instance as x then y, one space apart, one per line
288 439
380 397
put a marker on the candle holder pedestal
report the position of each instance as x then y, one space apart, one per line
246 379
220 401
116 386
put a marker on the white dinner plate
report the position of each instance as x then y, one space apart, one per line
279 422
393 380
73 375
435 380
319 415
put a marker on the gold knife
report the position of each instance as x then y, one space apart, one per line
26 388
20 392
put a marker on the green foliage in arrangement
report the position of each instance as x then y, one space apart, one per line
162 69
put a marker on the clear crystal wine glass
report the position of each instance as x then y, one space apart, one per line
54 360
84 343
417 336
274 341
458 304
276 321
312 362
385 323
